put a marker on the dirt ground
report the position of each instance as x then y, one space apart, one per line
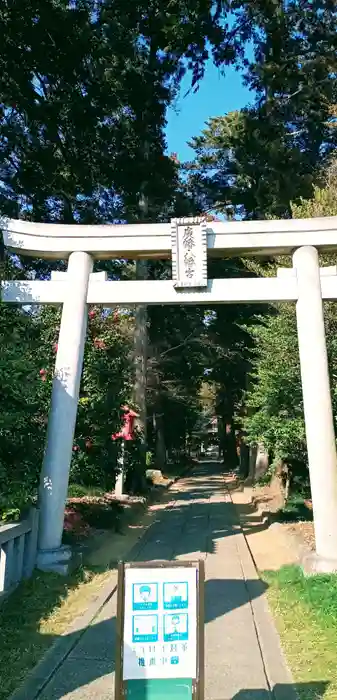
108 548
272 544
272 499
304 532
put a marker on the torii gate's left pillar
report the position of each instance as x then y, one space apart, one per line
52 555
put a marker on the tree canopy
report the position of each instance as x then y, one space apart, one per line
276 419
84 92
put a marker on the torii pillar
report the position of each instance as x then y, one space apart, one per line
188 240
319 424
52 556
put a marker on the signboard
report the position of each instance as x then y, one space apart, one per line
160 630
189 253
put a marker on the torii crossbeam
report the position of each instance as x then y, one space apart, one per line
189 242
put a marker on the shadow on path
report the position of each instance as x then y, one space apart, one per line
304 691
92 663
192 525
92 656
224 595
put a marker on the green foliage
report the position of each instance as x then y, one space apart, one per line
105 386
22 417
135 481
26 371
10 515
295 510
275 401
82 121
79 491
82 141
256 162
176 368
104 515
149 460
244 166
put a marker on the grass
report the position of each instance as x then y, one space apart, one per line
36 613
41 609
79 491
305 610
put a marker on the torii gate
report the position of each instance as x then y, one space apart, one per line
188 241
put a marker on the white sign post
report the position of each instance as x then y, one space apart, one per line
160 620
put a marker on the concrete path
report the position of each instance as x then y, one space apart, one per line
243 657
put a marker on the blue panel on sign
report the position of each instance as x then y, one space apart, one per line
176 627
175 596
174 660
145 628
145 596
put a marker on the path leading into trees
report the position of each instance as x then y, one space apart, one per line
243 657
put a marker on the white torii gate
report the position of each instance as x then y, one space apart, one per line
189 241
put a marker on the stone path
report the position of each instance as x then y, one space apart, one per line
243 657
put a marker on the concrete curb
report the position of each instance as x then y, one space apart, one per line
51 661
277 672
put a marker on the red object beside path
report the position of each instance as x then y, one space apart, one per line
127 432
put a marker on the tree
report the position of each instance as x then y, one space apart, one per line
245 166
176 368
83 93
83 88
277 418
256 162
293 71
22 418
105 386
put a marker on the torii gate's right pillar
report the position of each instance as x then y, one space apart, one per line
318 414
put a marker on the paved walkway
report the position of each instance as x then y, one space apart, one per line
243 658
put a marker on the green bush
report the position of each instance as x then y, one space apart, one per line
105 515
80 491
275 403
22 415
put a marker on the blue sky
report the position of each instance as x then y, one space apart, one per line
216 96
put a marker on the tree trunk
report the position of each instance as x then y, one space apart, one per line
160 458
140 349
